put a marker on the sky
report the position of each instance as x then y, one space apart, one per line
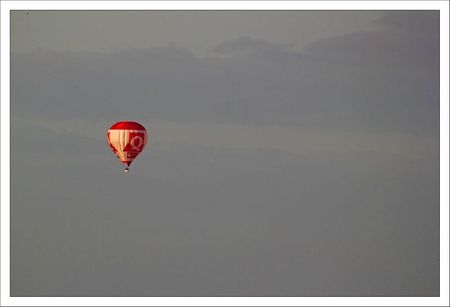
291 153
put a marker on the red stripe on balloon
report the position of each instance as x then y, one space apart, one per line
127 125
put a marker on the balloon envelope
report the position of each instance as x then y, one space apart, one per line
127 139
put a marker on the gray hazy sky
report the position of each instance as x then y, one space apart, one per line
291 153
110 31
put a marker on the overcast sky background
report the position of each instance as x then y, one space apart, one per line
290 154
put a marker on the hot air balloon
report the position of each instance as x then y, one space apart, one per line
127 140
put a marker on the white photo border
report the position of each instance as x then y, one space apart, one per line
7 300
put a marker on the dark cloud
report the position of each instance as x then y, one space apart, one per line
410 41
423 22
247 45
348 82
